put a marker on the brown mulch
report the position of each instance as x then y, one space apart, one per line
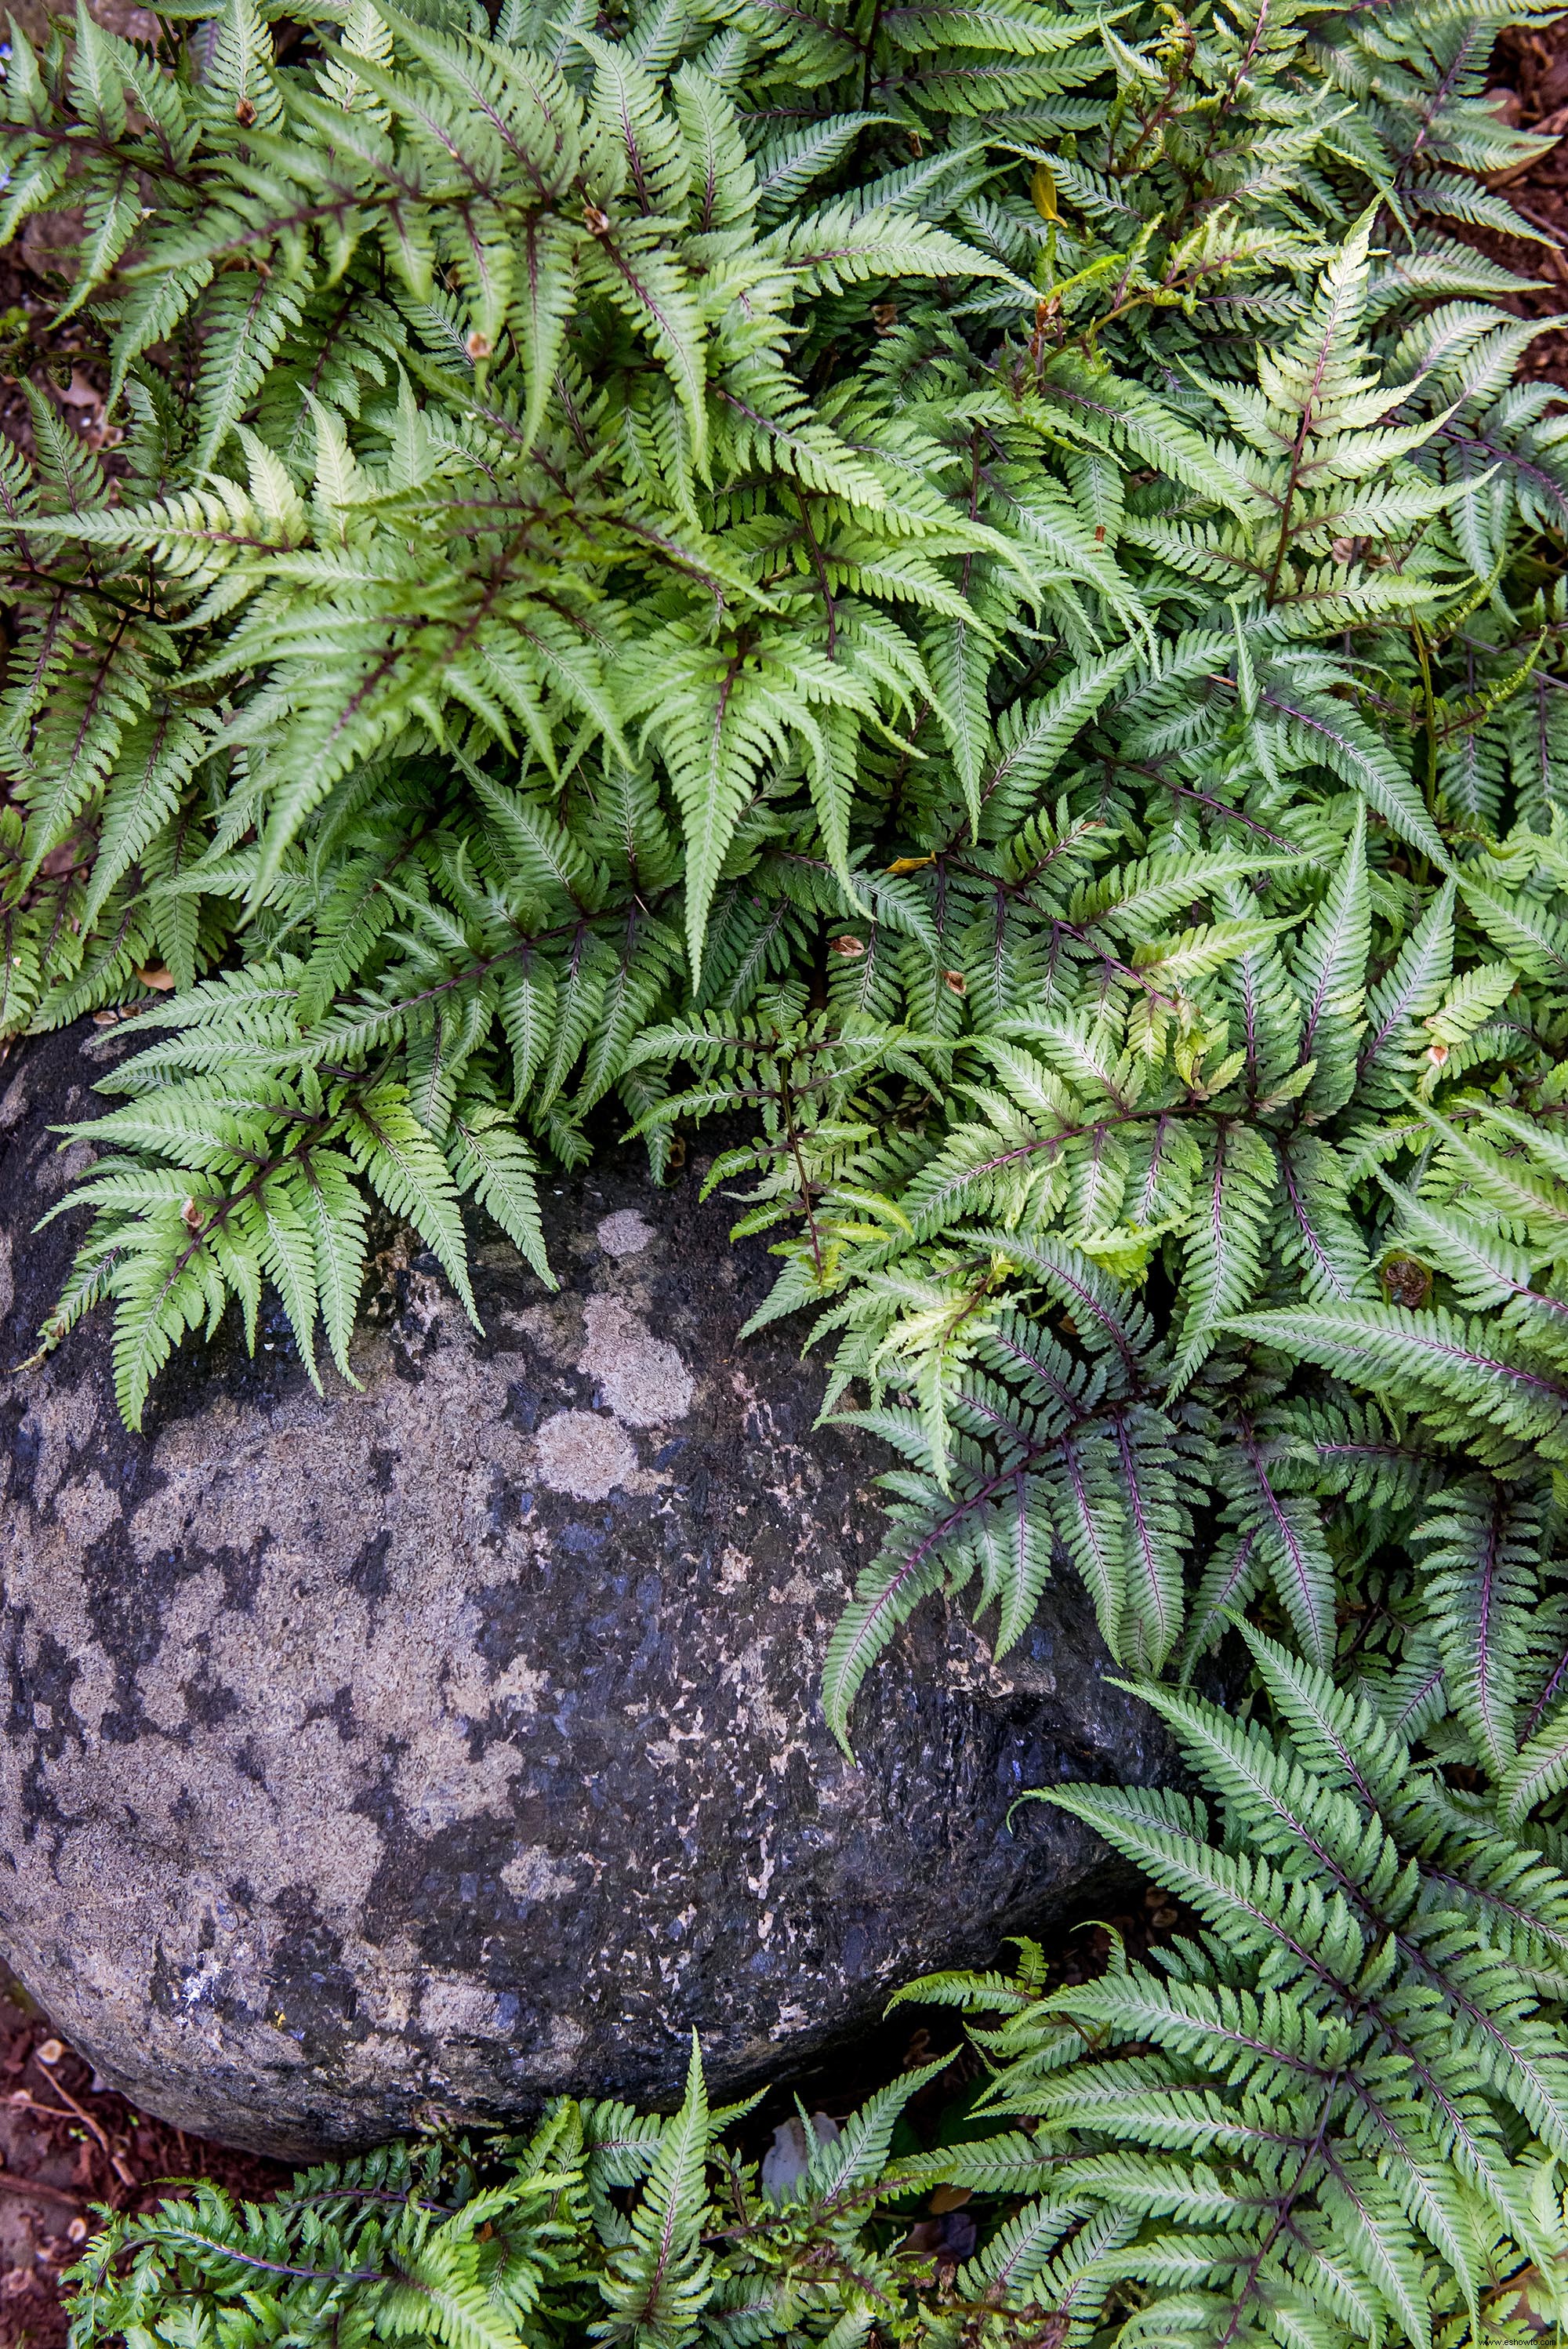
1529 90
70 2146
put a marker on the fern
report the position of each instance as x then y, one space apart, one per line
1309 2113
971 589
530 2241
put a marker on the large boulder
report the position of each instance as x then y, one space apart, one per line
428 1749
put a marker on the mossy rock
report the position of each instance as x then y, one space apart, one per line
424 1750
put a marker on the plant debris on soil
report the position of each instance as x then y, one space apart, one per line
68 2144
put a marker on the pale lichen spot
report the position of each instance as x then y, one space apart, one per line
625 1232
86 1510
536 1873
57 1174
583 1454
643 1379
450 2003
562 2038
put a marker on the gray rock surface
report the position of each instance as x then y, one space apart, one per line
430 1749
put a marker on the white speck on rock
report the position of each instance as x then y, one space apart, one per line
584 1455
625 1232
643 1379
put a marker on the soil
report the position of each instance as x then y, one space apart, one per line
1529 89
68 2146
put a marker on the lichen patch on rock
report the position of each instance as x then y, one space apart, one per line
643 1379
535 1874
585 1455
625 1232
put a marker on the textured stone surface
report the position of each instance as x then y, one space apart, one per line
443 1746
